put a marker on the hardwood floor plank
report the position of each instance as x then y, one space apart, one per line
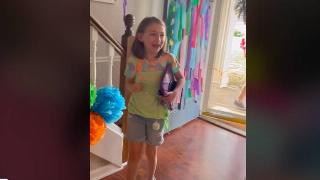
199 151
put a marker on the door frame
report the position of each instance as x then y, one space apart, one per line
217 44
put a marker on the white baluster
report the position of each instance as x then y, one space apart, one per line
94 34
111 55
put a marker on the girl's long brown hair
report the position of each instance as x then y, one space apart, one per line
137 46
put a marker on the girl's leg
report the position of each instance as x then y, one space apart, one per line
239 100
135 155
151 154
242 94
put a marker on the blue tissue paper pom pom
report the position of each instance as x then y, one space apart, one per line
109 104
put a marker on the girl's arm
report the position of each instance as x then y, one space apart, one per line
180 81
173 94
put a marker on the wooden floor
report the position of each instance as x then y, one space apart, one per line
199 151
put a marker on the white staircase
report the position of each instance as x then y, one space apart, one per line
110 147
106 155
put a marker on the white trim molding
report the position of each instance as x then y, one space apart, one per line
216 6
224 125
223 31
103 59
217 44
105 1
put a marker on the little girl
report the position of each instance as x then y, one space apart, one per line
143 74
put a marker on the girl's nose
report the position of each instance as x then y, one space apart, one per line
159 38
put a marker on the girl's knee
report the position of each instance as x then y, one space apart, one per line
135 158
151 151
135 151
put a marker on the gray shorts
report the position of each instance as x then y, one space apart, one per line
147 130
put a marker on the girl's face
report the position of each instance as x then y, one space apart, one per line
153 38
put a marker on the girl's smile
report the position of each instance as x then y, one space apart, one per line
153 39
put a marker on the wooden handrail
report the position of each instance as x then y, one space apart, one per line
123 50
126 41
106 35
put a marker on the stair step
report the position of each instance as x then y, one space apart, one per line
110 146
100 168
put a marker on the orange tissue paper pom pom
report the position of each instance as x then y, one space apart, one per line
97 128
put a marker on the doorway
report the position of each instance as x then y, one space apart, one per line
227 77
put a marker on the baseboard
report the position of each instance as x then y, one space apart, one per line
221 124
225 116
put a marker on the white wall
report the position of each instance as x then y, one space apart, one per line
111 15
143 8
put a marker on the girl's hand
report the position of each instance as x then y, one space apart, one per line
169 98
136 87
132 86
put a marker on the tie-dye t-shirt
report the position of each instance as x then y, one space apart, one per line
146 102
